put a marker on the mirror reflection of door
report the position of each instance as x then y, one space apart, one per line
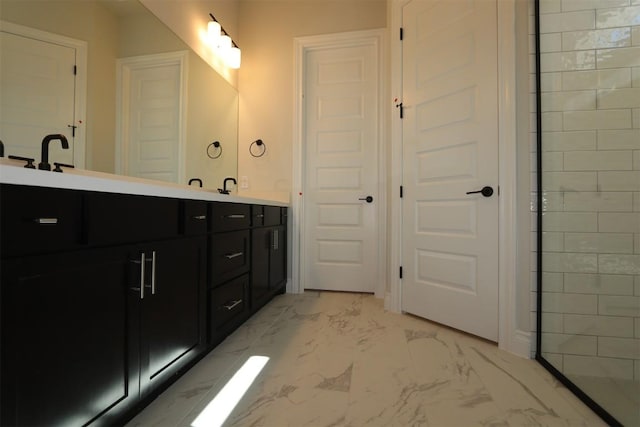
37 83
150 117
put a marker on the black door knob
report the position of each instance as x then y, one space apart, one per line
369 199
486 191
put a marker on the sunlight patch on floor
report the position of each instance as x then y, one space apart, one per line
217 411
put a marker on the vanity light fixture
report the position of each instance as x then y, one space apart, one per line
222 44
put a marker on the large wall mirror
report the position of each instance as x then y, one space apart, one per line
113 31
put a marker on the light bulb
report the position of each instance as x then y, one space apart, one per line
213 33
224 43
233 58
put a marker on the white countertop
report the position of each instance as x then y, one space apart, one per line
13 172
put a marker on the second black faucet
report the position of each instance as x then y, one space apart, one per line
44 163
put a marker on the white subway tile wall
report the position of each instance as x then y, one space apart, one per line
590 103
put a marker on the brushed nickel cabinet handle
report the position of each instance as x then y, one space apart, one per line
234 255
235 216
200 217
153 273
46 220
232 305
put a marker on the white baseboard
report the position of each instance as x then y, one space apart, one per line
521 343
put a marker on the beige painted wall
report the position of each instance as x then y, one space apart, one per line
267 29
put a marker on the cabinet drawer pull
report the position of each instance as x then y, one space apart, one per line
260 216
235 255
276 243
232 305
46 220
235 216
200 217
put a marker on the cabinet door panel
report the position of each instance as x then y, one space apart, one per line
278 257
67 355
260 247
171 314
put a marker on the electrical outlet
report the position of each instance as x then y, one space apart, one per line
244 182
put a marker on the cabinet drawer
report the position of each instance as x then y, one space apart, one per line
230 216
272 215
228 301
39 219
122 218
229 255
194 217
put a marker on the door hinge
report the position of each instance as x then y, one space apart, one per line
401 272
401 191
401 33
75 70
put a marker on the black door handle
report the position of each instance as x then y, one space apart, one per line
369 199
486 191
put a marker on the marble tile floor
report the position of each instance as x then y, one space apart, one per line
340 359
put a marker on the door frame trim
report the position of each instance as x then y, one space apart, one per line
123 80
80 101
510 338
302 45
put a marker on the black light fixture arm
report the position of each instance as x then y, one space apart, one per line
234 44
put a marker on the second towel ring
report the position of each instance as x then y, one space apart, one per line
255 152
214 150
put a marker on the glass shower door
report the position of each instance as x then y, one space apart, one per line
589 201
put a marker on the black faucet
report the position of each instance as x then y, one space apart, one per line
44 164
1 149
224 184
198 180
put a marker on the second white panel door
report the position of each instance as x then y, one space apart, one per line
450 139
341 169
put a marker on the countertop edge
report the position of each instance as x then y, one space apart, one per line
108 183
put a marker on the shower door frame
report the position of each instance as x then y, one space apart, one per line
592 404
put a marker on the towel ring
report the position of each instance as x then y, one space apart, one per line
254 151
216 151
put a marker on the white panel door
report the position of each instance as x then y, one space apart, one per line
154 122
450 142
341 167
37 96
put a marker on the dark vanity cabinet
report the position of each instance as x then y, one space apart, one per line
268 253
106 298
101 315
